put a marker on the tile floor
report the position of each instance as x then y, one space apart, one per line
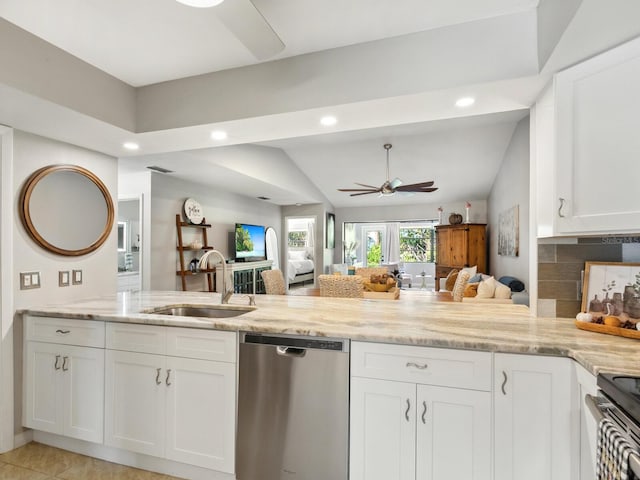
35 461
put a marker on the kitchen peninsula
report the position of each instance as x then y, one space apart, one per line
496 361
411 321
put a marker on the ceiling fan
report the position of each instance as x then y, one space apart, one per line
246 22
390 187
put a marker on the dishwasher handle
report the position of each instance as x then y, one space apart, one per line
291 351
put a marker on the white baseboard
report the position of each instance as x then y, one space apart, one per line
123 457
22 438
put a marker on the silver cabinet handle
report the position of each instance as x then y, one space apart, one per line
560 207
424 412
57 364
406 413
167 379
63 332
417 365
504 382
158 382
64 363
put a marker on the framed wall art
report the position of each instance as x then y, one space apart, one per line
509 233
612 288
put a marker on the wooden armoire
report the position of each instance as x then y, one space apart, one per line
459 246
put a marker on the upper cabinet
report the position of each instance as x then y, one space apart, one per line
587 147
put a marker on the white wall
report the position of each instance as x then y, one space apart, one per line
32 152
222 209
511 187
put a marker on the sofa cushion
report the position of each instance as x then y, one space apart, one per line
471 290
458 288
513 283
502 291
487 288
450 281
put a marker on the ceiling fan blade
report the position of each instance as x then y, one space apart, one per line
364 193
395 183
419 185
358 189
410 188
246 22
363 185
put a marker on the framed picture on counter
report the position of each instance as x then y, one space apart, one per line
612 288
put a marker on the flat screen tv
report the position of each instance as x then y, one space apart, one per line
250 243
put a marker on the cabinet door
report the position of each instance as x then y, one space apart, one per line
83 385
43 387
597 147
443 246
200 419
453 439
135 402
459 247
382 435
535 419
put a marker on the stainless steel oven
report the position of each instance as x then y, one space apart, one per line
619 401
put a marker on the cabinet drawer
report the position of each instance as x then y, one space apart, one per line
87 333
424 365
136 338
202 344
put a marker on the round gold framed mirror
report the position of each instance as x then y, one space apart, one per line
66 209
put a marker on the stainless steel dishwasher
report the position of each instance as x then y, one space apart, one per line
293 408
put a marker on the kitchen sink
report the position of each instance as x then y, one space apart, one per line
204 311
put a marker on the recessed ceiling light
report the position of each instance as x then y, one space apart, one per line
465 102
201 3
131 145
219 135
328 120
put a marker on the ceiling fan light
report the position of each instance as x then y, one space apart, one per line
200 3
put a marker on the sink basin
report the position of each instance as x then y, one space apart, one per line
205 311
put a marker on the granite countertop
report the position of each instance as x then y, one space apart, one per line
412 320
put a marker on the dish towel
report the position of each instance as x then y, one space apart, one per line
612 454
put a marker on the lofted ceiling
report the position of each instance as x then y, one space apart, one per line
414 54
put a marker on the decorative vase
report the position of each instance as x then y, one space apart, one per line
595 305
455 219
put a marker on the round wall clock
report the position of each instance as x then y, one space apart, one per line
193 211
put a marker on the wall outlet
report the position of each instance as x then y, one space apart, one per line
76 277
63 278
29 280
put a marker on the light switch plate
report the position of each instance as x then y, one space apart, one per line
29 280
63 278
76 277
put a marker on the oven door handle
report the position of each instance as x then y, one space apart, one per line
596 411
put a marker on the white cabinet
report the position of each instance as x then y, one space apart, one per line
536 428
179 408
382 430
413 429
587 146
64 384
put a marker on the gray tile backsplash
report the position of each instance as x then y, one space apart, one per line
560 269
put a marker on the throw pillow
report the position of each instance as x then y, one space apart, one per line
502 291
487 288
471 290
513 283
458 288
451 279
471 270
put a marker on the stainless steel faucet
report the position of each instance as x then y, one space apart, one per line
226 294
